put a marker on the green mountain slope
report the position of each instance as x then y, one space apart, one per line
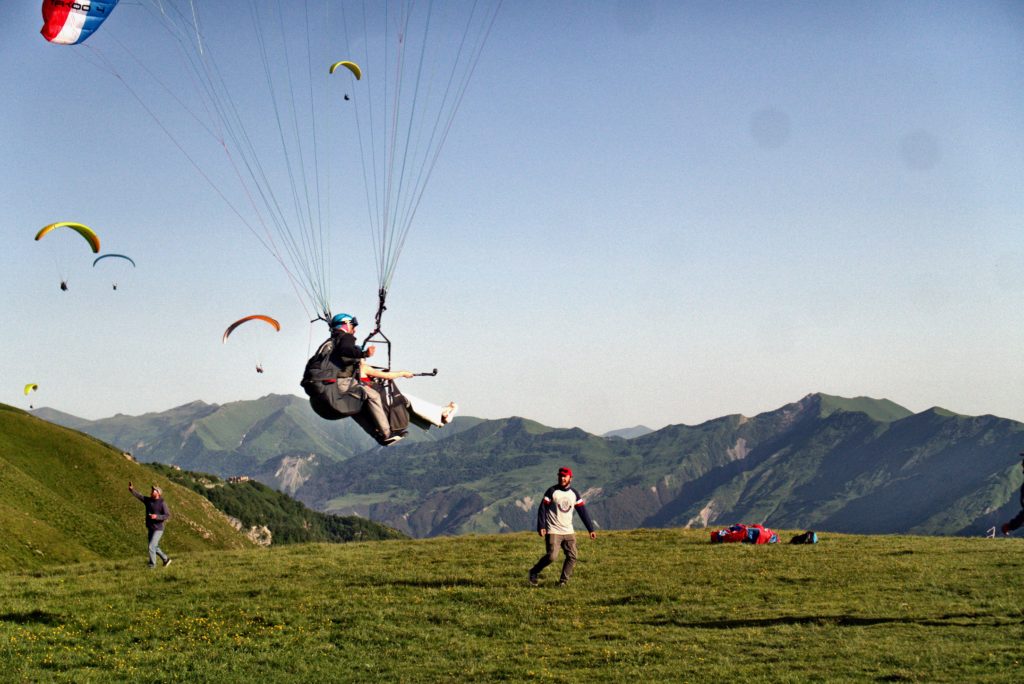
276 438
825 462
256 505
881 410
629 433
816 464
853 465
64 498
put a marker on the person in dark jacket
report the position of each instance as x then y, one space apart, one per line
1018 519
157 514
555 525
332 382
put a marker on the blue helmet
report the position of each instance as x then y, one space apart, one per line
340 319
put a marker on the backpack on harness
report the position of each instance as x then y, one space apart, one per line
333 393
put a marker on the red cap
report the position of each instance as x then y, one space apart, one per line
564 470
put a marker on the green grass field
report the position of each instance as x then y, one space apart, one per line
658 604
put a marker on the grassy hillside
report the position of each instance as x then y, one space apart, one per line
64 499
647 605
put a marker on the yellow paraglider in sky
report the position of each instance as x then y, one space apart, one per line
31 387
63 255
85 231
351 66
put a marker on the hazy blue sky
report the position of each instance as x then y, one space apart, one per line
647 212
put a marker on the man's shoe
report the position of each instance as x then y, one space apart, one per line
392 439
167 561
534 579
562 583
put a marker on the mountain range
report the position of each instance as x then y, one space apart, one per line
828 463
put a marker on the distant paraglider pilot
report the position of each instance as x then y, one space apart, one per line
259 368
554 523
332 382
64 286
1018 519
157 514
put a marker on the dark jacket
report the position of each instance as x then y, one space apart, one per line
331 377
154 506
338 357
346 353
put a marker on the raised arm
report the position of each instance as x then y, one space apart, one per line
135 493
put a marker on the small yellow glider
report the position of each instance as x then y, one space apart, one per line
351 66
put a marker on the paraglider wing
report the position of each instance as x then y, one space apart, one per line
257 317
67 23
85 231
31 387
111 256
351 66
118 265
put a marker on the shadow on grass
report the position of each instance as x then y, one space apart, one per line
952 620
636 599
444 583
40 617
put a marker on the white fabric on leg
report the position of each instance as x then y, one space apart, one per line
428 412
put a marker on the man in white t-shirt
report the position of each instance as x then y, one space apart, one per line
554 523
